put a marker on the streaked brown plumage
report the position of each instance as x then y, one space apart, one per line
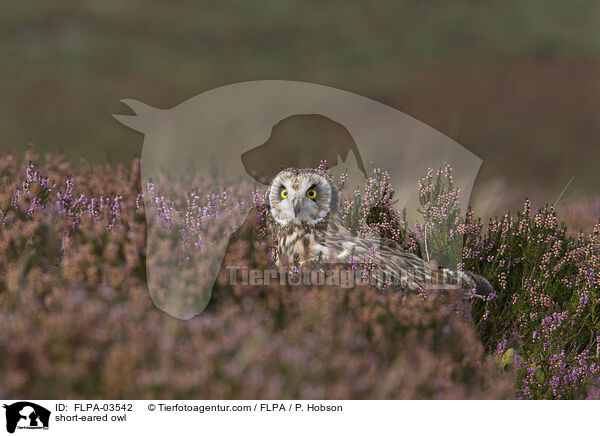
309 229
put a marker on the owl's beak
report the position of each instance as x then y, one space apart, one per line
296 207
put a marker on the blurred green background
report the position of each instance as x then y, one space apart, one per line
515 82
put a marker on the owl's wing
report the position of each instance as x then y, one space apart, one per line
390 265
385 257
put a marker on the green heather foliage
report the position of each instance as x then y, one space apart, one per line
77 320
546 308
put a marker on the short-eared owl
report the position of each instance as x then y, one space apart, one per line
303 217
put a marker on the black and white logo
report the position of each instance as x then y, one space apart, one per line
26 415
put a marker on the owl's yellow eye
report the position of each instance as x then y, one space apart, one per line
311 193
284 193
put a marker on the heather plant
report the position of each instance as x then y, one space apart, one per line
78 321
438 233
545 309
543 317
370 211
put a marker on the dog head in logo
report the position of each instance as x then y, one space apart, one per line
246 132
301 141
26 414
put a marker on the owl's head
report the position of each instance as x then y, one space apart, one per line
301 196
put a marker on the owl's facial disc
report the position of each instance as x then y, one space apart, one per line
299 197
